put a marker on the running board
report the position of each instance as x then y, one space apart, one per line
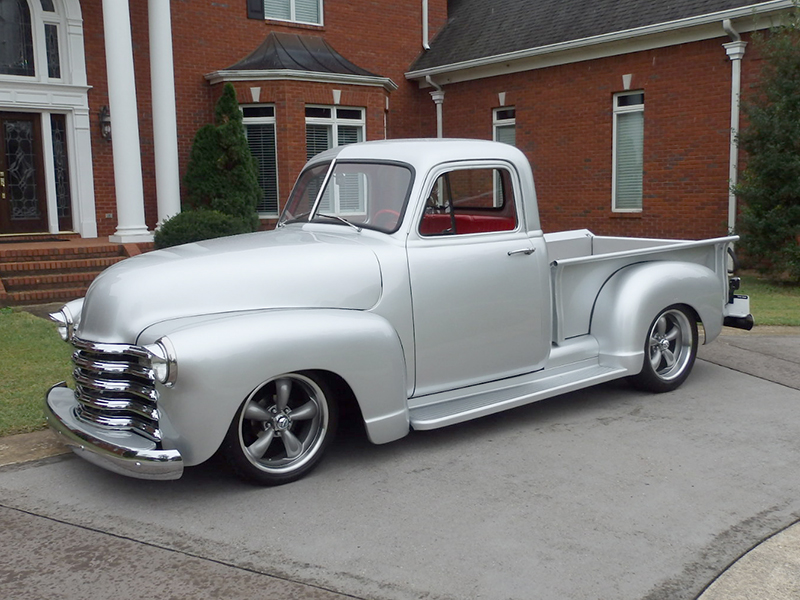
453 408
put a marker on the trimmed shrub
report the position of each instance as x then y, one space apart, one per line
197 225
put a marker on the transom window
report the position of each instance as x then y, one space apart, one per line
628 151
259 126
299 11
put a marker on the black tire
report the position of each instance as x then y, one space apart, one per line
281 431
670 349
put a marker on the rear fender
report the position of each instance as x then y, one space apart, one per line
633 297
222 359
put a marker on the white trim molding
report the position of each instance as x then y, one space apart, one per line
292 75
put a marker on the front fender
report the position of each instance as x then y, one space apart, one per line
222 359
632 298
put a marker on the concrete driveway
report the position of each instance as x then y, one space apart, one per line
608 493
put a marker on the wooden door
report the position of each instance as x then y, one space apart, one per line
23 207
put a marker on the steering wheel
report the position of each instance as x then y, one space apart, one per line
388 216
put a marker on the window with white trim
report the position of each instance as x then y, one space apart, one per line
298 11
504 122
504 128
259 126
328 127
628 152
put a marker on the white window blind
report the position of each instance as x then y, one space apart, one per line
261 139
259 126
630 143
301 11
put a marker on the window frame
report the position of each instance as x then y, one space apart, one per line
334 122
618 111
293 13
266 120
499 122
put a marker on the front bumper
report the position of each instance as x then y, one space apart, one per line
125 453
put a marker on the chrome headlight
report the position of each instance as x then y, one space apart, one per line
163 361
65 322
68 319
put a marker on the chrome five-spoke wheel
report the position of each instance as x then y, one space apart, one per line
282 429
670 350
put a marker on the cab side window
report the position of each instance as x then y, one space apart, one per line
467 201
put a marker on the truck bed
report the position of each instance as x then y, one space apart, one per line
581 262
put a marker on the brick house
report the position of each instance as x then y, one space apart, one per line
624 108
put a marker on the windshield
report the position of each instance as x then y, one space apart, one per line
361 194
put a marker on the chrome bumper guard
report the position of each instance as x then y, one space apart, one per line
126 453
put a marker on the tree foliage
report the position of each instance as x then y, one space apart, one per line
770 184
221 181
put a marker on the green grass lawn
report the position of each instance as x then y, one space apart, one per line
32 358
772 303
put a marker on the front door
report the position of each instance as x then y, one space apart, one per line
479 296
23 207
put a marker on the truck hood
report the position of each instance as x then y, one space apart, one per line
285 268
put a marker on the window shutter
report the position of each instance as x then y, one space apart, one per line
261 139
255 9
629 161
276 9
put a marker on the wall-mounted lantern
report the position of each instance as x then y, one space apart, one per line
105 123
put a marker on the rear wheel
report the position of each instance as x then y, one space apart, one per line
670 349
282 429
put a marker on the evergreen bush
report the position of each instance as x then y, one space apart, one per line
770 184
221 181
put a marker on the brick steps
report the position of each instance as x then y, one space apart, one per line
43 272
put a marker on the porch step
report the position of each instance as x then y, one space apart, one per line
43 271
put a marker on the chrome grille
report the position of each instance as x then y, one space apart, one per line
115 388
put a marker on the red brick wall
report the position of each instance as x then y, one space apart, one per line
209 36
564 125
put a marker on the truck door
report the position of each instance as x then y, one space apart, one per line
479 282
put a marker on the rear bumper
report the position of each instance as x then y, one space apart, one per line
124 453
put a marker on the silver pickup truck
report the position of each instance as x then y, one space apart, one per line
408 282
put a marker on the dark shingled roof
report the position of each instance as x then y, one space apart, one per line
289 51
480 28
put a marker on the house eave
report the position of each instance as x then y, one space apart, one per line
223 76
661 34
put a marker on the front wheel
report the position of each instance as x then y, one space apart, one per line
282 429
670 349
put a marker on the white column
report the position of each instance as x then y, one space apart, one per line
165 126
131 226
735 52
438 99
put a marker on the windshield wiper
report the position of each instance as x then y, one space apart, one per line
340 219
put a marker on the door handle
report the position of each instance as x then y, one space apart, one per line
525 251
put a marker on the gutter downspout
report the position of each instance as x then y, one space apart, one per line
425 34
438 99
735 50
